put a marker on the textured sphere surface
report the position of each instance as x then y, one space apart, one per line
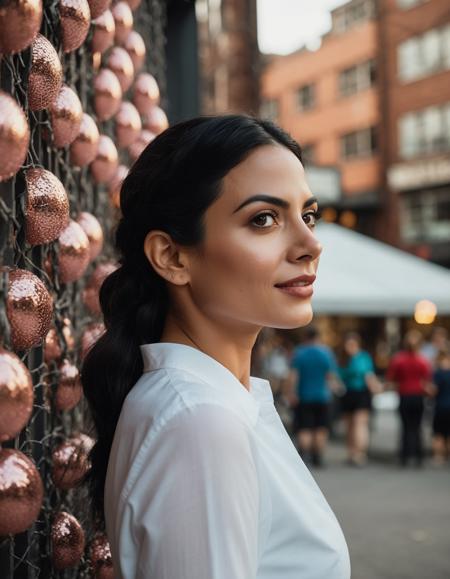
138 146
115 185
146 93
16 395
20 21
73 257
52 345
29 307
94 232
46 206
69 464
69 389
101 560
68 541
91 292
14 136
66 115
135 46
106 162
45 76
21 492
128 124
98 7
155 120
104 31
75 18
83 150
108 94
120 63
123 18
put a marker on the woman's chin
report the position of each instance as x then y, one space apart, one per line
295 319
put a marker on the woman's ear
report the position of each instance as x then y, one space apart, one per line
166 257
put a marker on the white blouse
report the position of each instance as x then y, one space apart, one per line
204 482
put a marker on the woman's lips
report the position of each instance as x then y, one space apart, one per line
300 291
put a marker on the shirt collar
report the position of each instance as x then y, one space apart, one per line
208 369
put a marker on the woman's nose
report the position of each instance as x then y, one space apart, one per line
307 246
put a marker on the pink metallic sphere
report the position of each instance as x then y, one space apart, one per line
115 184
29 307
69 390
73 258
84 148
75 18
155 120
134 4
135 46
106 162
20 21
120 63
146 93
94 232
66 114
52 345
68 541
91 292
70 463
98 7
16 395
104 31
21 492
90 335
45 78
128 124
14 136
137 147
46 206
123 18
101 561
108 94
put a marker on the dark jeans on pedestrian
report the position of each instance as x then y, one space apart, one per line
411 412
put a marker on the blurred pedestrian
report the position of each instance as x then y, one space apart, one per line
438 343
441 419
410 372
357 372
314 371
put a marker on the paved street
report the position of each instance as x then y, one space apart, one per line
396 522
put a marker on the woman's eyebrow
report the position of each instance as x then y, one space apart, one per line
274 201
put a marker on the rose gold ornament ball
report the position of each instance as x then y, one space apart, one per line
101 560
108 94
91 292
29 307
115 184
104 31
135 46
69 390
123 18
146 93
138 146
68 541
69 463
120 63
98 7
45 78
84 148
134 4
66 114
106 162
14 136
90 335
21 492
52 345
94 232
128 124
16 395
46 206
73 257
155 120
20 21
75 18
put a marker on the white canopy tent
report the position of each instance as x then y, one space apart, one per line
359 275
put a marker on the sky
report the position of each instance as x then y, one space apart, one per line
285 25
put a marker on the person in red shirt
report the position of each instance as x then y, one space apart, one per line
411 374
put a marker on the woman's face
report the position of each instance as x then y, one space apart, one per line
254 244
351 346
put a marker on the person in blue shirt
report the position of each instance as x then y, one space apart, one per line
441 419
314 370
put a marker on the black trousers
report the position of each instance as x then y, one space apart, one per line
411 413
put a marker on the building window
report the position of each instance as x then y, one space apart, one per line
425 216
357 78
305 97
425 132
269 109
352 14
405 4
308 154
425 54
359 143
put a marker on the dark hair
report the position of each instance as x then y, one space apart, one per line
171 185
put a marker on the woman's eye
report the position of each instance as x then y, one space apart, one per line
313 217
264 220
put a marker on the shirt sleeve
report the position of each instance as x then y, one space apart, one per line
391 373
197 504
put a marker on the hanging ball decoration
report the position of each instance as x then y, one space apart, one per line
75 18
90 335
120 63
21 492
146 93
108 94
138 146
104 31
20 21
101 560
115 184
106 162
16 395
134 4
84 148
29 307
94 232
123 18
46 206
135 46
155 120
52 344
73 258
14 136
128 124
66 114
69 390
67 538
45 78
98 7
92 290
69 463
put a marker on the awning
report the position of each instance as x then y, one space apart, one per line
362 276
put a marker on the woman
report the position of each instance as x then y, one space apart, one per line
410 372
357 374
441 418
193 470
